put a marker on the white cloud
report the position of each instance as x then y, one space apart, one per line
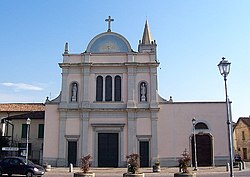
22 86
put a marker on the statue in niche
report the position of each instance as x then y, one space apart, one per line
143 92
74 92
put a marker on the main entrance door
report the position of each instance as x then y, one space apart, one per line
144 153
72 150
107 149
203 149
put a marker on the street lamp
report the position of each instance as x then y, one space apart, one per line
195 152
224 67
27 139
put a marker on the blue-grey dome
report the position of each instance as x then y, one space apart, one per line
109 42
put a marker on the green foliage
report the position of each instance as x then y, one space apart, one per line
157 163
133 163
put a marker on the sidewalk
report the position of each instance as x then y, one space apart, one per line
148 170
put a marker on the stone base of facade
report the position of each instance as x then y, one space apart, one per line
185 175
81 174
133 175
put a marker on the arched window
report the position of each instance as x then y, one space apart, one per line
143 92
117 88
74 91
99 88
108 88
201 125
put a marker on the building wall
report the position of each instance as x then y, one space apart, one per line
51 134
175 129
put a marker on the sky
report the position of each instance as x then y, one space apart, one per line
192 36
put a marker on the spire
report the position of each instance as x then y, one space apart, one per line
146 38
66 48
147 44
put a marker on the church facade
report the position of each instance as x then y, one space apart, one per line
109 107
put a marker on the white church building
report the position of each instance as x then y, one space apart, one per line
109 107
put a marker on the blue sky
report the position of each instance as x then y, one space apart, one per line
192 37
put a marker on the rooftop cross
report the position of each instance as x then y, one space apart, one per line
109 20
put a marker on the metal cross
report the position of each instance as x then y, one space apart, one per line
109 20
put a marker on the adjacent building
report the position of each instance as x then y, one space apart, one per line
14 127
242 138
109 107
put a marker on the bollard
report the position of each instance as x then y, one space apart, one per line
227 167
70 167
243 165
240 166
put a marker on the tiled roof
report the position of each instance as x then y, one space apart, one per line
19 107
246 120
31 115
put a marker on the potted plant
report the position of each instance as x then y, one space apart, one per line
133 161
184 162
85 166
156 166
47 167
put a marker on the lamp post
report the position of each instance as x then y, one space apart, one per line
27 139
224 67
195 152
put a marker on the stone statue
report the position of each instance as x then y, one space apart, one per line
143 92
74 93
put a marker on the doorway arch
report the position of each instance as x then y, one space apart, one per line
204 149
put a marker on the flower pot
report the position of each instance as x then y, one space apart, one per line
81 174
156 168
47 168
185 175
133 175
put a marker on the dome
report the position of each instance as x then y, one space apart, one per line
109 42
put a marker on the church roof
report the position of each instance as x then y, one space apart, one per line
109 42
146 38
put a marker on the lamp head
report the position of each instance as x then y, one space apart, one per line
28 121
224 67
194 121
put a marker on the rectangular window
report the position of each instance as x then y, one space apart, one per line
41 131
243 135
24 131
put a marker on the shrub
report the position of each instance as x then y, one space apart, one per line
85 163
133 163
184 162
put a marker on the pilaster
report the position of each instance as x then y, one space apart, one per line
132 148
84 127
62 141
153 78
131 86
154 141
86 75
65 72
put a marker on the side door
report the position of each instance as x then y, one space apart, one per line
17 166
